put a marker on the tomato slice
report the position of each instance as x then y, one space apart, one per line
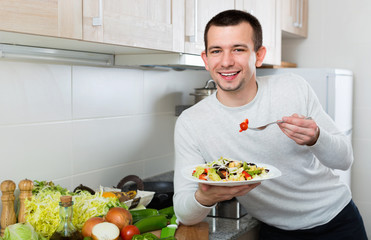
244 125
203 176
246 175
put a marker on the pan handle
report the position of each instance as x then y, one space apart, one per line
131 178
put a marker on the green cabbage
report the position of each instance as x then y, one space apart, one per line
21 231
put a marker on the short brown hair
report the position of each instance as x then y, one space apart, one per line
233 18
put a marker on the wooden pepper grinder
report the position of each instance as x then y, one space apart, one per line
8 213
25 186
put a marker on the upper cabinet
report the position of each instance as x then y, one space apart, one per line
197 14
155 24
58 18
269 15
126 27
295 18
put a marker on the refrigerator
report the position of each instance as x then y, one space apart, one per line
334 89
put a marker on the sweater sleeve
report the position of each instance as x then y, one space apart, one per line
333 149
187 153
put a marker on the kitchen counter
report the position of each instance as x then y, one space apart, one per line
223 228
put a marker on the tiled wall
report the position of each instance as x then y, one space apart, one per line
88 125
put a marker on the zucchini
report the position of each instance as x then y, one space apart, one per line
152 223
143 213
169 211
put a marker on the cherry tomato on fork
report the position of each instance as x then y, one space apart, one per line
244 125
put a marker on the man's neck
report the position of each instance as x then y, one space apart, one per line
237 98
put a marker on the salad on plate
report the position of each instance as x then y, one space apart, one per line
227 170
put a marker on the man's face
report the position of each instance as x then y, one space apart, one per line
230 58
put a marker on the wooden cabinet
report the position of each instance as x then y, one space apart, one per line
155 24
268 13
132 27
57 18
295 18
197 14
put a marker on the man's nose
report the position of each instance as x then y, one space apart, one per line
227 59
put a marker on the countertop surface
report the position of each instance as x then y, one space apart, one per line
226 228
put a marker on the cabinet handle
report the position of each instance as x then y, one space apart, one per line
296 23
193 38
299 14
98 21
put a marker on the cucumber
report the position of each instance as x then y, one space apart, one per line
143 213
169 211
152 223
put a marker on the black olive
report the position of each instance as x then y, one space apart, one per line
222 172
216 166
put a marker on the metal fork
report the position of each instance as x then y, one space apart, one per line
266 125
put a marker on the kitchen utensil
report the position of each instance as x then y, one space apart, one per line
8 216
266 125
201 93
25 187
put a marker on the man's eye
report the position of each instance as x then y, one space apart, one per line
239 50
215 51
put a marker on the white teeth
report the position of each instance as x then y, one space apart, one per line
228 74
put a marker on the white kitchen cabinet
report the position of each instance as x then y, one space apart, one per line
295 18
268 13
197 14
154 24
58 18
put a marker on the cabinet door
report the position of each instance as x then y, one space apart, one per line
197 14
155 24
57 18
295 18
268 14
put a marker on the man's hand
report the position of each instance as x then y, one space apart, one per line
302 131
208 195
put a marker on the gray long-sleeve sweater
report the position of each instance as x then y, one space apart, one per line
308 193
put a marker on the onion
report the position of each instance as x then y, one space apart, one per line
105 231
89 224
119 216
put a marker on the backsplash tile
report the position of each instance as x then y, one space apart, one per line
106 92
36 151
32 92
99 143
89 125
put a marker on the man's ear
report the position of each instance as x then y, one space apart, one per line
204 58
260 54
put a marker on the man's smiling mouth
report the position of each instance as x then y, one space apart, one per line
229 74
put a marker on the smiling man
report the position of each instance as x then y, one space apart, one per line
308 201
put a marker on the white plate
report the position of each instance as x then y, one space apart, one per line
273 173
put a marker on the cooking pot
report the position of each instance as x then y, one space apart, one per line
164 191
201 93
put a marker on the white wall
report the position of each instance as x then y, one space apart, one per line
87 125
339 36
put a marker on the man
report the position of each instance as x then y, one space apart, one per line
308 201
